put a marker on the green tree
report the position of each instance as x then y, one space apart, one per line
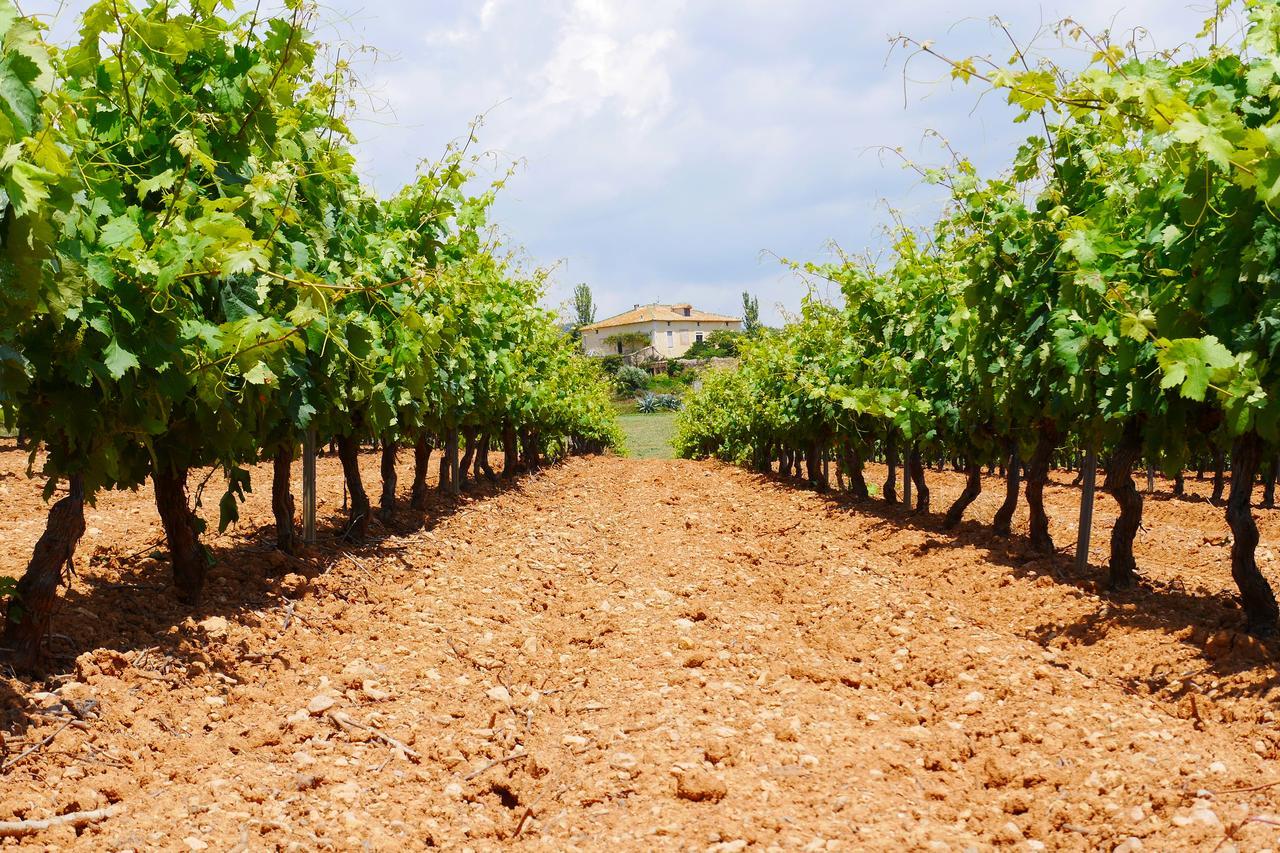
583 305
750 313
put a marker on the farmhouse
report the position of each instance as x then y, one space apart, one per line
668 329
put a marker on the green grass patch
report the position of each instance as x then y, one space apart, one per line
649 436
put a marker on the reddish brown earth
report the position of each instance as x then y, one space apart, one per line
648 655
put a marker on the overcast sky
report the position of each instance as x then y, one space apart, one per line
671 148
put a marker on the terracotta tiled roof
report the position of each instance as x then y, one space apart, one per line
664 313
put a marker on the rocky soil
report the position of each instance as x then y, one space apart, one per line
646 655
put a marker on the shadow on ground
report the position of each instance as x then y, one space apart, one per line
1170 608
124 606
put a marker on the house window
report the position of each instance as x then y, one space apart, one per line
670 335
697 337
619 347
684 337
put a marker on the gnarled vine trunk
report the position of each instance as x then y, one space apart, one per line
915 468
813 464
762 459
449 463
1256 597
282 505
421 470
358 515
186 555
1003 523
972 488
1269 482
27 616
1123 568
852 461
891 462
387 467
468 457
1037 477
529 449
482 460
510 452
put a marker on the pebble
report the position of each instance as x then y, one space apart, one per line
1010 833
357 671
1206 816
698 786
370 690
716 750
735 846
293 585
320 704
623 760
214 626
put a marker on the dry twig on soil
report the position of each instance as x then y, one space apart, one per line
17 828
343 721
1246 790
36 747
528 812
492 764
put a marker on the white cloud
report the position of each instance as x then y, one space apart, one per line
593 67
489 11
669 142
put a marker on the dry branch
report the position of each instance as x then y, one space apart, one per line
344 721
528 812
493 764
36 746
17 828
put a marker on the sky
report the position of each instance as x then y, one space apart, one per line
675 150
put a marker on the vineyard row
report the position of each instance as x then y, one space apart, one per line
195 276
1112 295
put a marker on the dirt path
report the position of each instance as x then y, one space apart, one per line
638 655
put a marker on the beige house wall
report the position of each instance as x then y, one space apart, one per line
683 333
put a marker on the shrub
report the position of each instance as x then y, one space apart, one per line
719 344
661 384
652 403
611 364
630 379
